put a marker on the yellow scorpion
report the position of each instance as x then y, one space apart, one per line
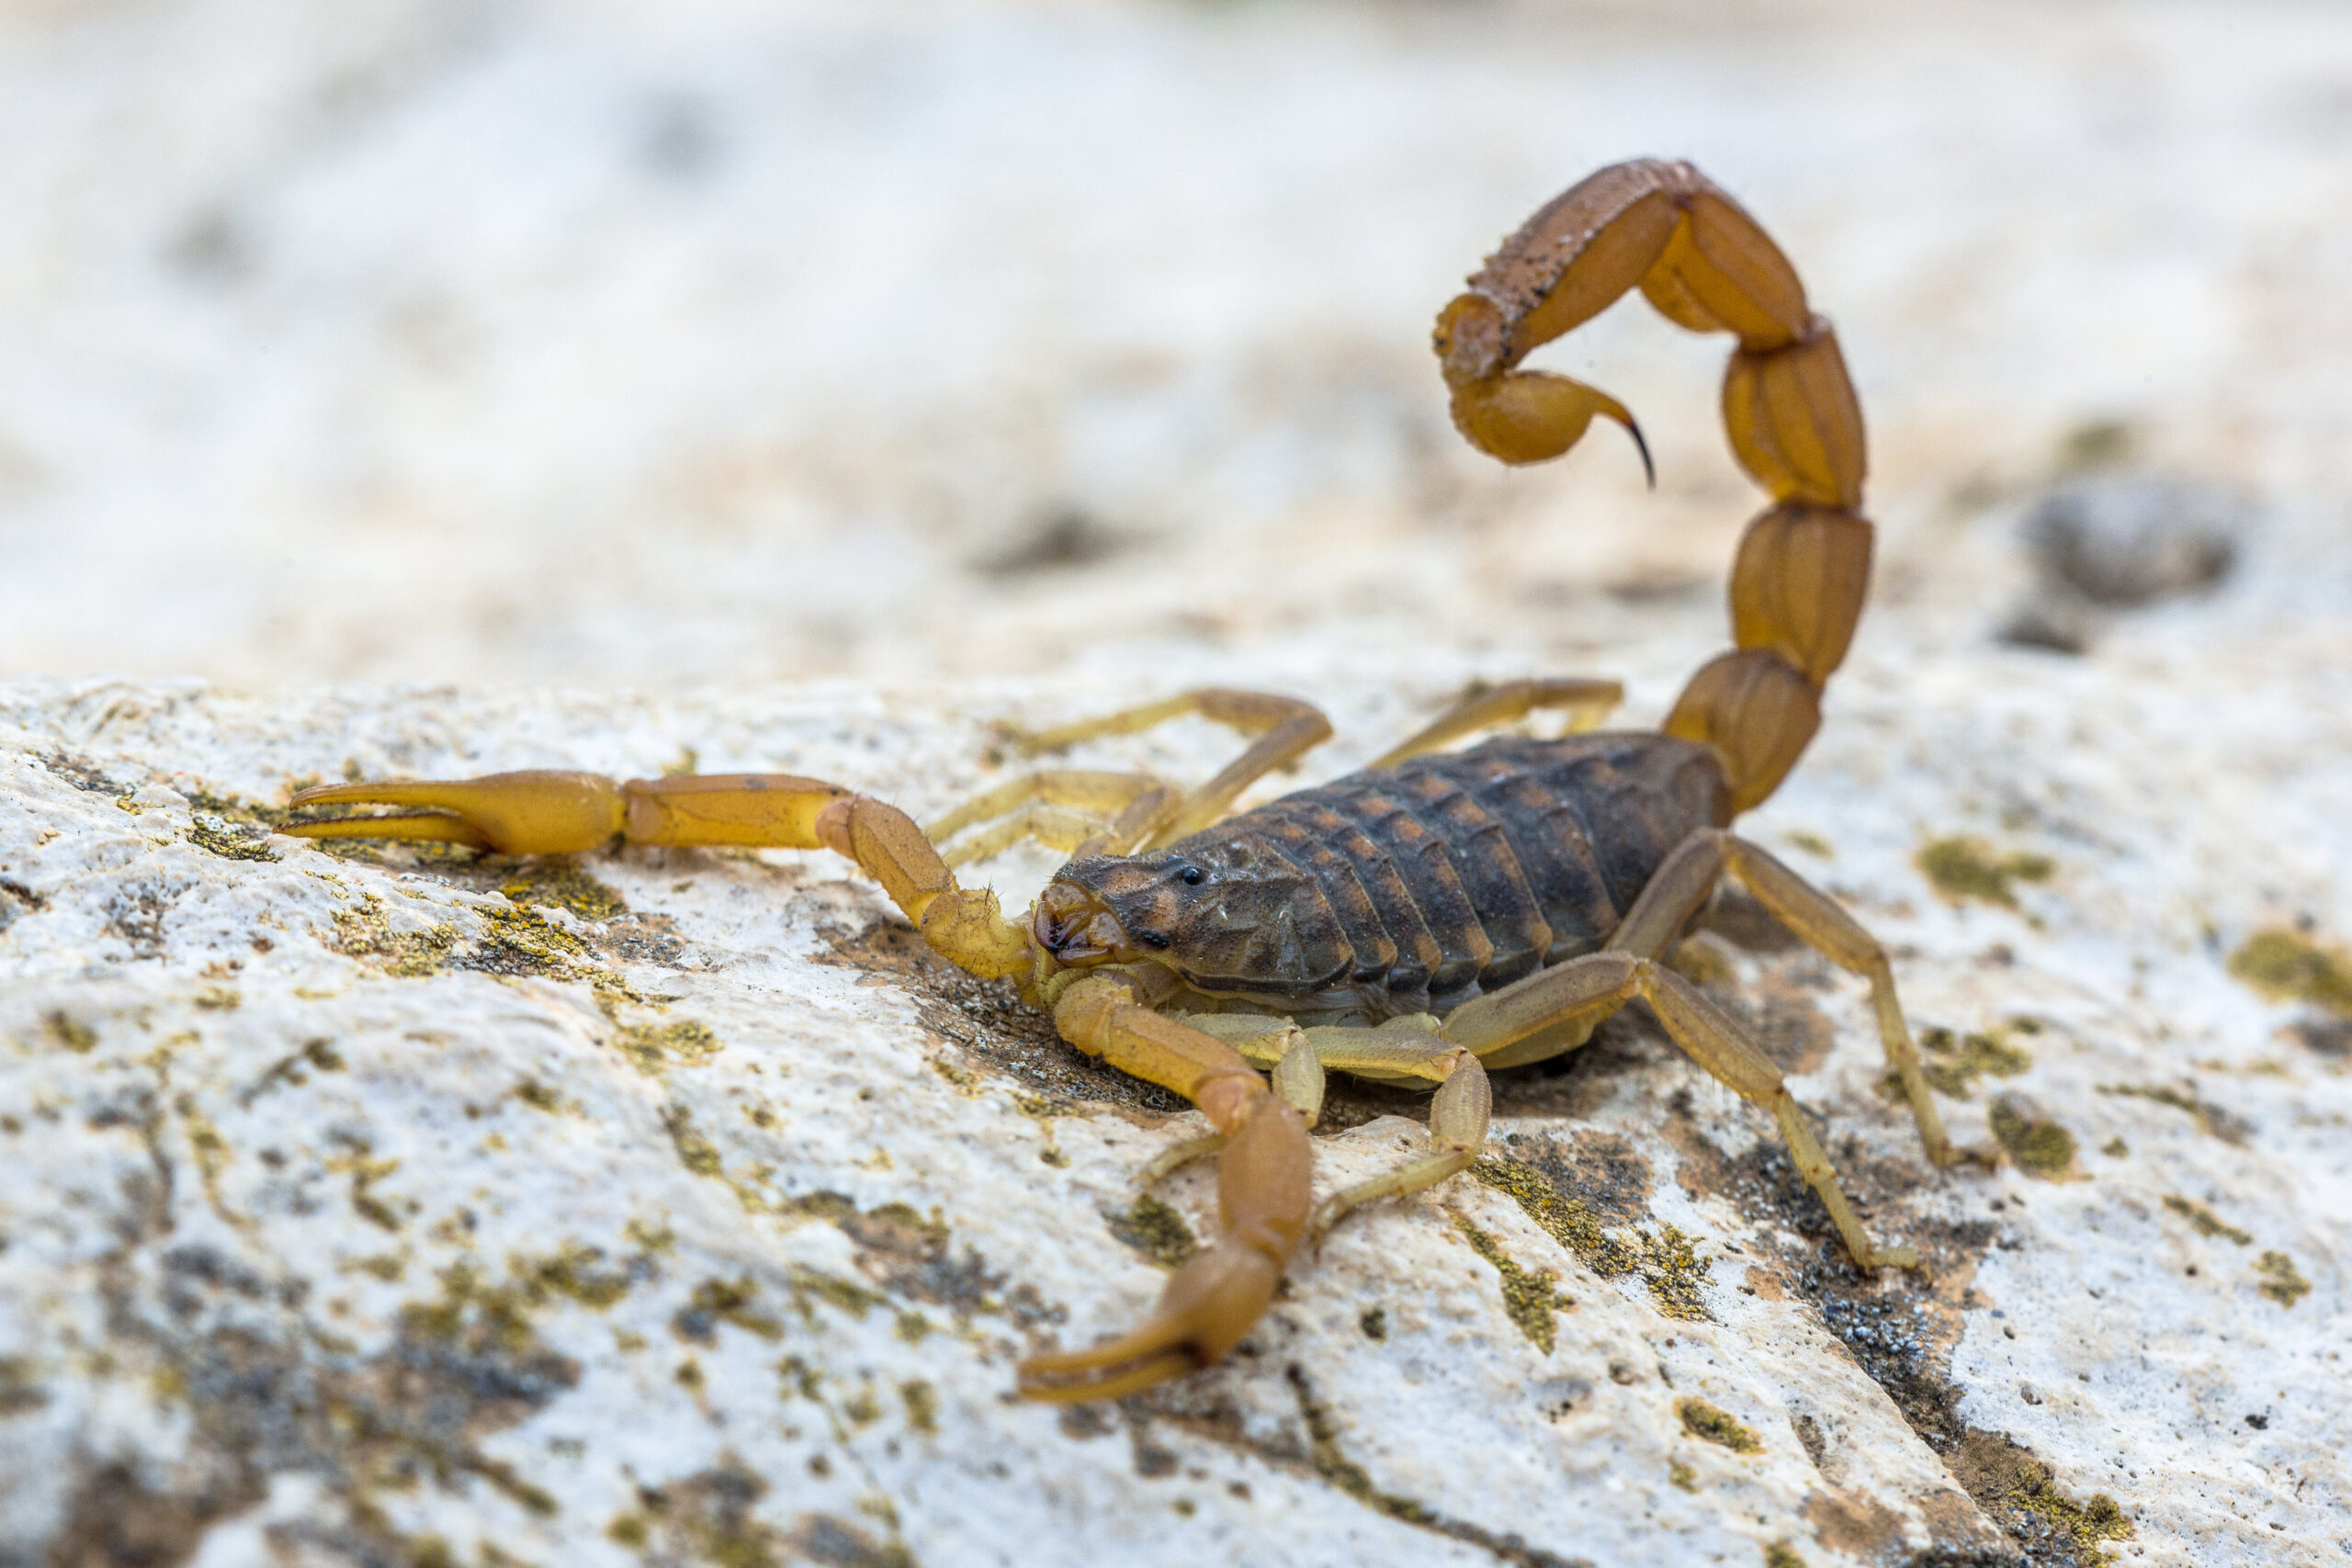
1439 914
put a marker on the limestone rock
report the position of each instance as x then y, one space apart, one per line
667 1206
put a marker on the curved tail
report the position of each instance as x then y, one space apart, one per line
1789 408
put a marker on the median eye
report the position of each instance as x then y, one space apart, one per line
1151 939
1194 877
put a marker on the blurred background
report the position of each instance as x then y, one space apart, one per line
716 341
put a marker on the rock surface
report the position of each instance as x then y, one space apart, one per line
376 1209
670 1206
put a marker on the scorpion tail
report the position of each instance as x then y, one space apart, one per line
1789 408
1804 566
1796 592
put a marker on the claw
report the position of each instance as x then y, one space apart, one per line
1263 1192
1208 1306
535 813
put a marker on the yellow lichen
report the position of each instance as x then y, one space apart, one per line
1952 1064
2086 1523
1528 1298
2285 965
573 1272
212 1152
1709 1424
1672 1268
2280 1279
1566 1218
729 1301
1333 1465
1155 1230
1779 1555
2039 1147
367 933
557 882
1962 867
922 1405
227 844
1669 1265
808 1285
2206 1223
652 1047
697 1153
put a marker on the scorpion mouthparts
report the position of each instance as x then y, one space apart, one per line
1072 927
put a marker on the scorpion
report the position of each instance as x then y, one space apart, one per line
1436 916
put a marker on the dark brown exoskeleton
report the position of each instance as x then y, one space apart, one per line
1436 915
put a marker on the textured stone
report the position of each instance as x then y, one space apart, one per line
675 1203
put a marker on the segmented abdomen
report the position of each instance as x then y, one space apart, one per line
1450 876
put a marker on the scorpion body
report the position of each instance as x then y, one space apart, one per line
1413 889
1429 918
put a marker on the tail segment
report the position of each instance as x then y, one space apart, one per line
1789 408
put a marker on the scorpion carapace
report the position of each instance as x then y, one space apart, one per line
1433 916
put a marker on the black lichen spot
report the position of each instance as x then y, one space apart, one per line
82 775
1709 1424
1374 1323
992 1027
15 900
1069 538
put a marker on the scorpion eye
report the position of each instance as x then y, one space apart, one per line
1151 939
1193 875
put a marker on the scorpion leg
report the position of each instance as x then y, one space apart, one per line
567 813
1403 1051
1284 730
1681 887
1587 702
1075 811
1458 1119
1263 1193
1591 987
